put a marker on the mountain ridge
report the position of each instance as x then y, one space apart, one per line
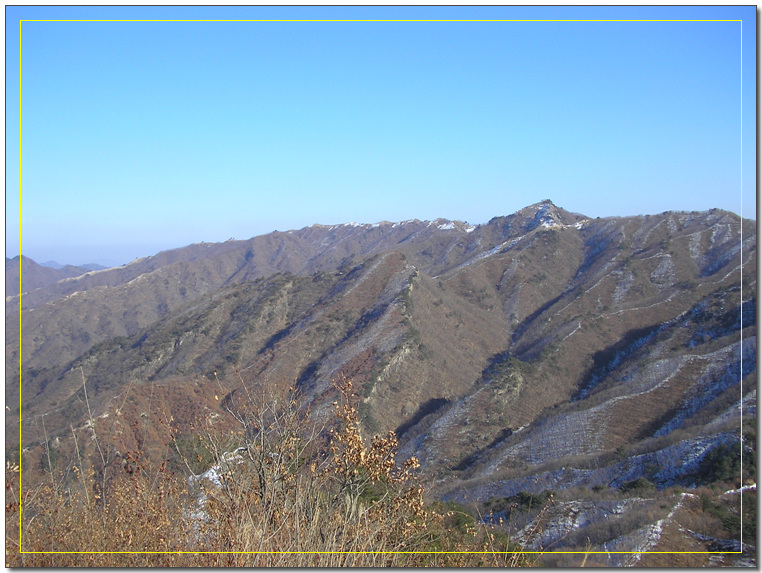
536 344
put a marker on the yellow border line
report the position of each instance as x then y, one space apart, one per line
386 552
21 509
741 333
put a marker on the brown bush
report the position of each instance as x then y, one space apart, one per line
292 492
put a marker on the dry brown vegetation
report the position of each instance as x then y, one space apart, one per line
287 491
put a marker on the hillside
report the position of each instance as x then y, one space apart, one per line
541 350
35 276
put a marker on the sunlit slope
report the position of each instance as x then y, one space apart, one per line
538 340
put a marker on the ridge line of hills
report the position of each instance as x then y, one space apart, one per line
540 350
39 275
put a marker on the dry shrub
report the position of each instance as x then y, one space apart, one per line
285 490
139 513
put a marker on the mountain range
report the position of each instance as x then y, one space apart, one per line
541 350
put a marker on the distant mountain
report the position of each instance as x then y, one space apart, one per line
94 267
541 350
89 266
52 264
34 275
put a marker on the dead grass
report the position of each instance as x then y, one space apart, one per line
288 491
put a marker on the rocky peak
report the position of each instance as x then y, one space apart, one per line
544 214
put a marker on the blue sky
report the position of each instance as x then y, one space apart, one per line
128 138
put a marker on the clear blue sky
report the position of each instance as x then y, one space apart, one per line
127 138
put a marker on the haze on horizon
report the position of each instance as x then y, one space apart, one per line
136 137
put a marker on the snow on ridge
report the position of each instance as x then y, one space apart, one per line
751 487
483 255
549 223
545 218
448 225
214 473
442 224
